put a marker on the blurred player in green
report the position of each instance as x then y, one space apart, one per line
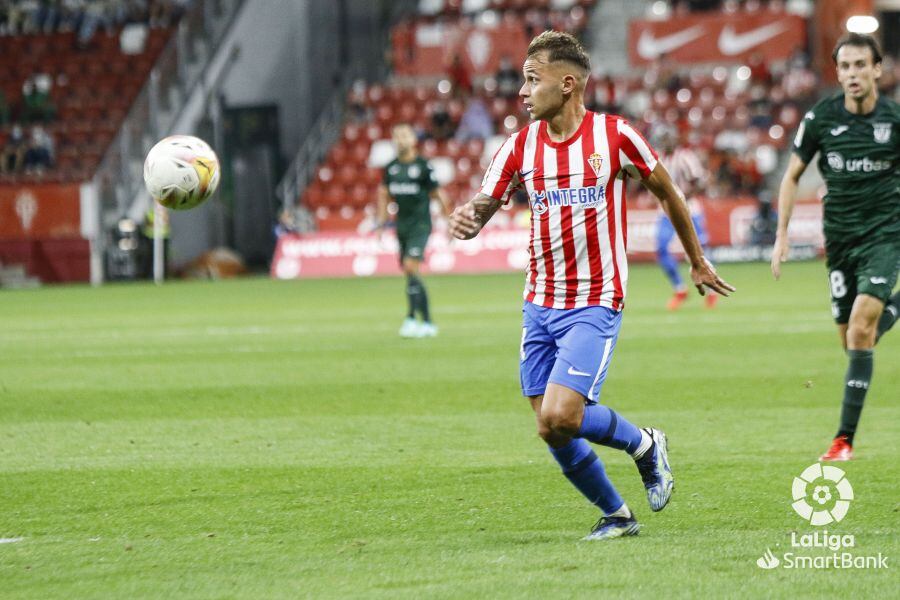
409 180
857 136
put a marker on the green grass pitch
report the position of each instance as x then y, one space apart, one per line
265 439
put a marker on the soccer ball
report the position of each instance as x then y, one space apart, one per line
181 172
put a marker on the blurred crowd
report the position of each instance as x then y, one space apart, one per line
737 119
30 153
85 16
28 120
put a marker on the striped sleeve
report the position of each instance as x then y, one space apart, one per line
500 177
636 153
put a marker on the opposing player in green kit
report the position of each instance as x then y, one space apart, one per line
857 136
410 181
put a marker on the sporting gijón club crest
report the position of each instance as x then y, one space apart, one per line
596 161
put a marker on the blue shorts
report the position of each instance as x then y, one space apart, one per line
665 231
569 347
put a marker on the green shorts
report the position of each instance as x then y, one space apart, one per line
861 268
412 243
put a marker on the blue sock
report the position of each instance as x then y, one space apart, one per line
583 468
603 426
670 267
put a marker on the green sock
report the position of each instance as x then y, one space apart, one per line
889 316
856 384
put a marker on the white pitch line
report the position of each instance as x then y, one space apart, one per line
10 540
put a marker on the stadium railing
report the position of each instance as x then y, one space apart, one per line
118 182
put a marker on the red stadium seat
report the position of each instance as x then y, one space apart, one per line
338 155
360 195
429 148
374 132
372 176
359 153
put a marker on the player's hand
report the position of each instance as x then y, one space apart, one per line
705 276
779 255
463 223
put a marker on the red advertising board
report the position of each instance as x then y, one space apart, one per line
40 211
505 248
716 38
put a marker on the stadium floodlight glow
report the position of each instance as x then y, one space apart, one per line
659 9
862 24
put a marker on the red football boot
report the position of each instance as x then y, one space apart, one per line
677 300
710 299
840 450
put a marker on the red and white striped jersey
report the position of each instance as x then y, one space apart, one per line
687 172
577 196
684 167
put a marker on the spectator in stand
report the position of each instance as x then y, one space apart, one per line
759 71
12 157
765 225
441 123
460 77
357 110
476 122
760 106
287 223
95 15
4 110
508 79
36 103
40 152
403 46
11 17
71 14
749 179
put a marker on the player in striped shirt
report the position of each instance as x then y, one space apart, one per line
572 162
688 173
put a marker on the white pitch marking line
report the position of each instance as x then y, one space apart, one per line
10 540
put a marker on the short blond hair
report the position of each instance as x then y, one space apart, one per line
561 46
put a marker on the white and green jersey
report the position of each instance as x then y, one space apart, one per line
859 158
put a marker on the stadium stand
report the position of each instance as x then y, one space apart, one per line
736 117
78 86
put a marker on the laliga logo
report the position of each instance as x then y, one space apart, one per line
768 560
822 495
539 203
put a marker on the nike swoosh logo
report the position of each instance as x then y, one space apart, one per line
572 371
878 280
522 176
732 43
839 130
649 47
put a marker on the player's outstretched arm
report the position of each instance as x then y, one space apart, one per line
787 195
660 184
467 220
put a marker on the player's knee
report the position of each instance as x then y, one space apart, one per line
544 431
560 420
861 335
411 267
